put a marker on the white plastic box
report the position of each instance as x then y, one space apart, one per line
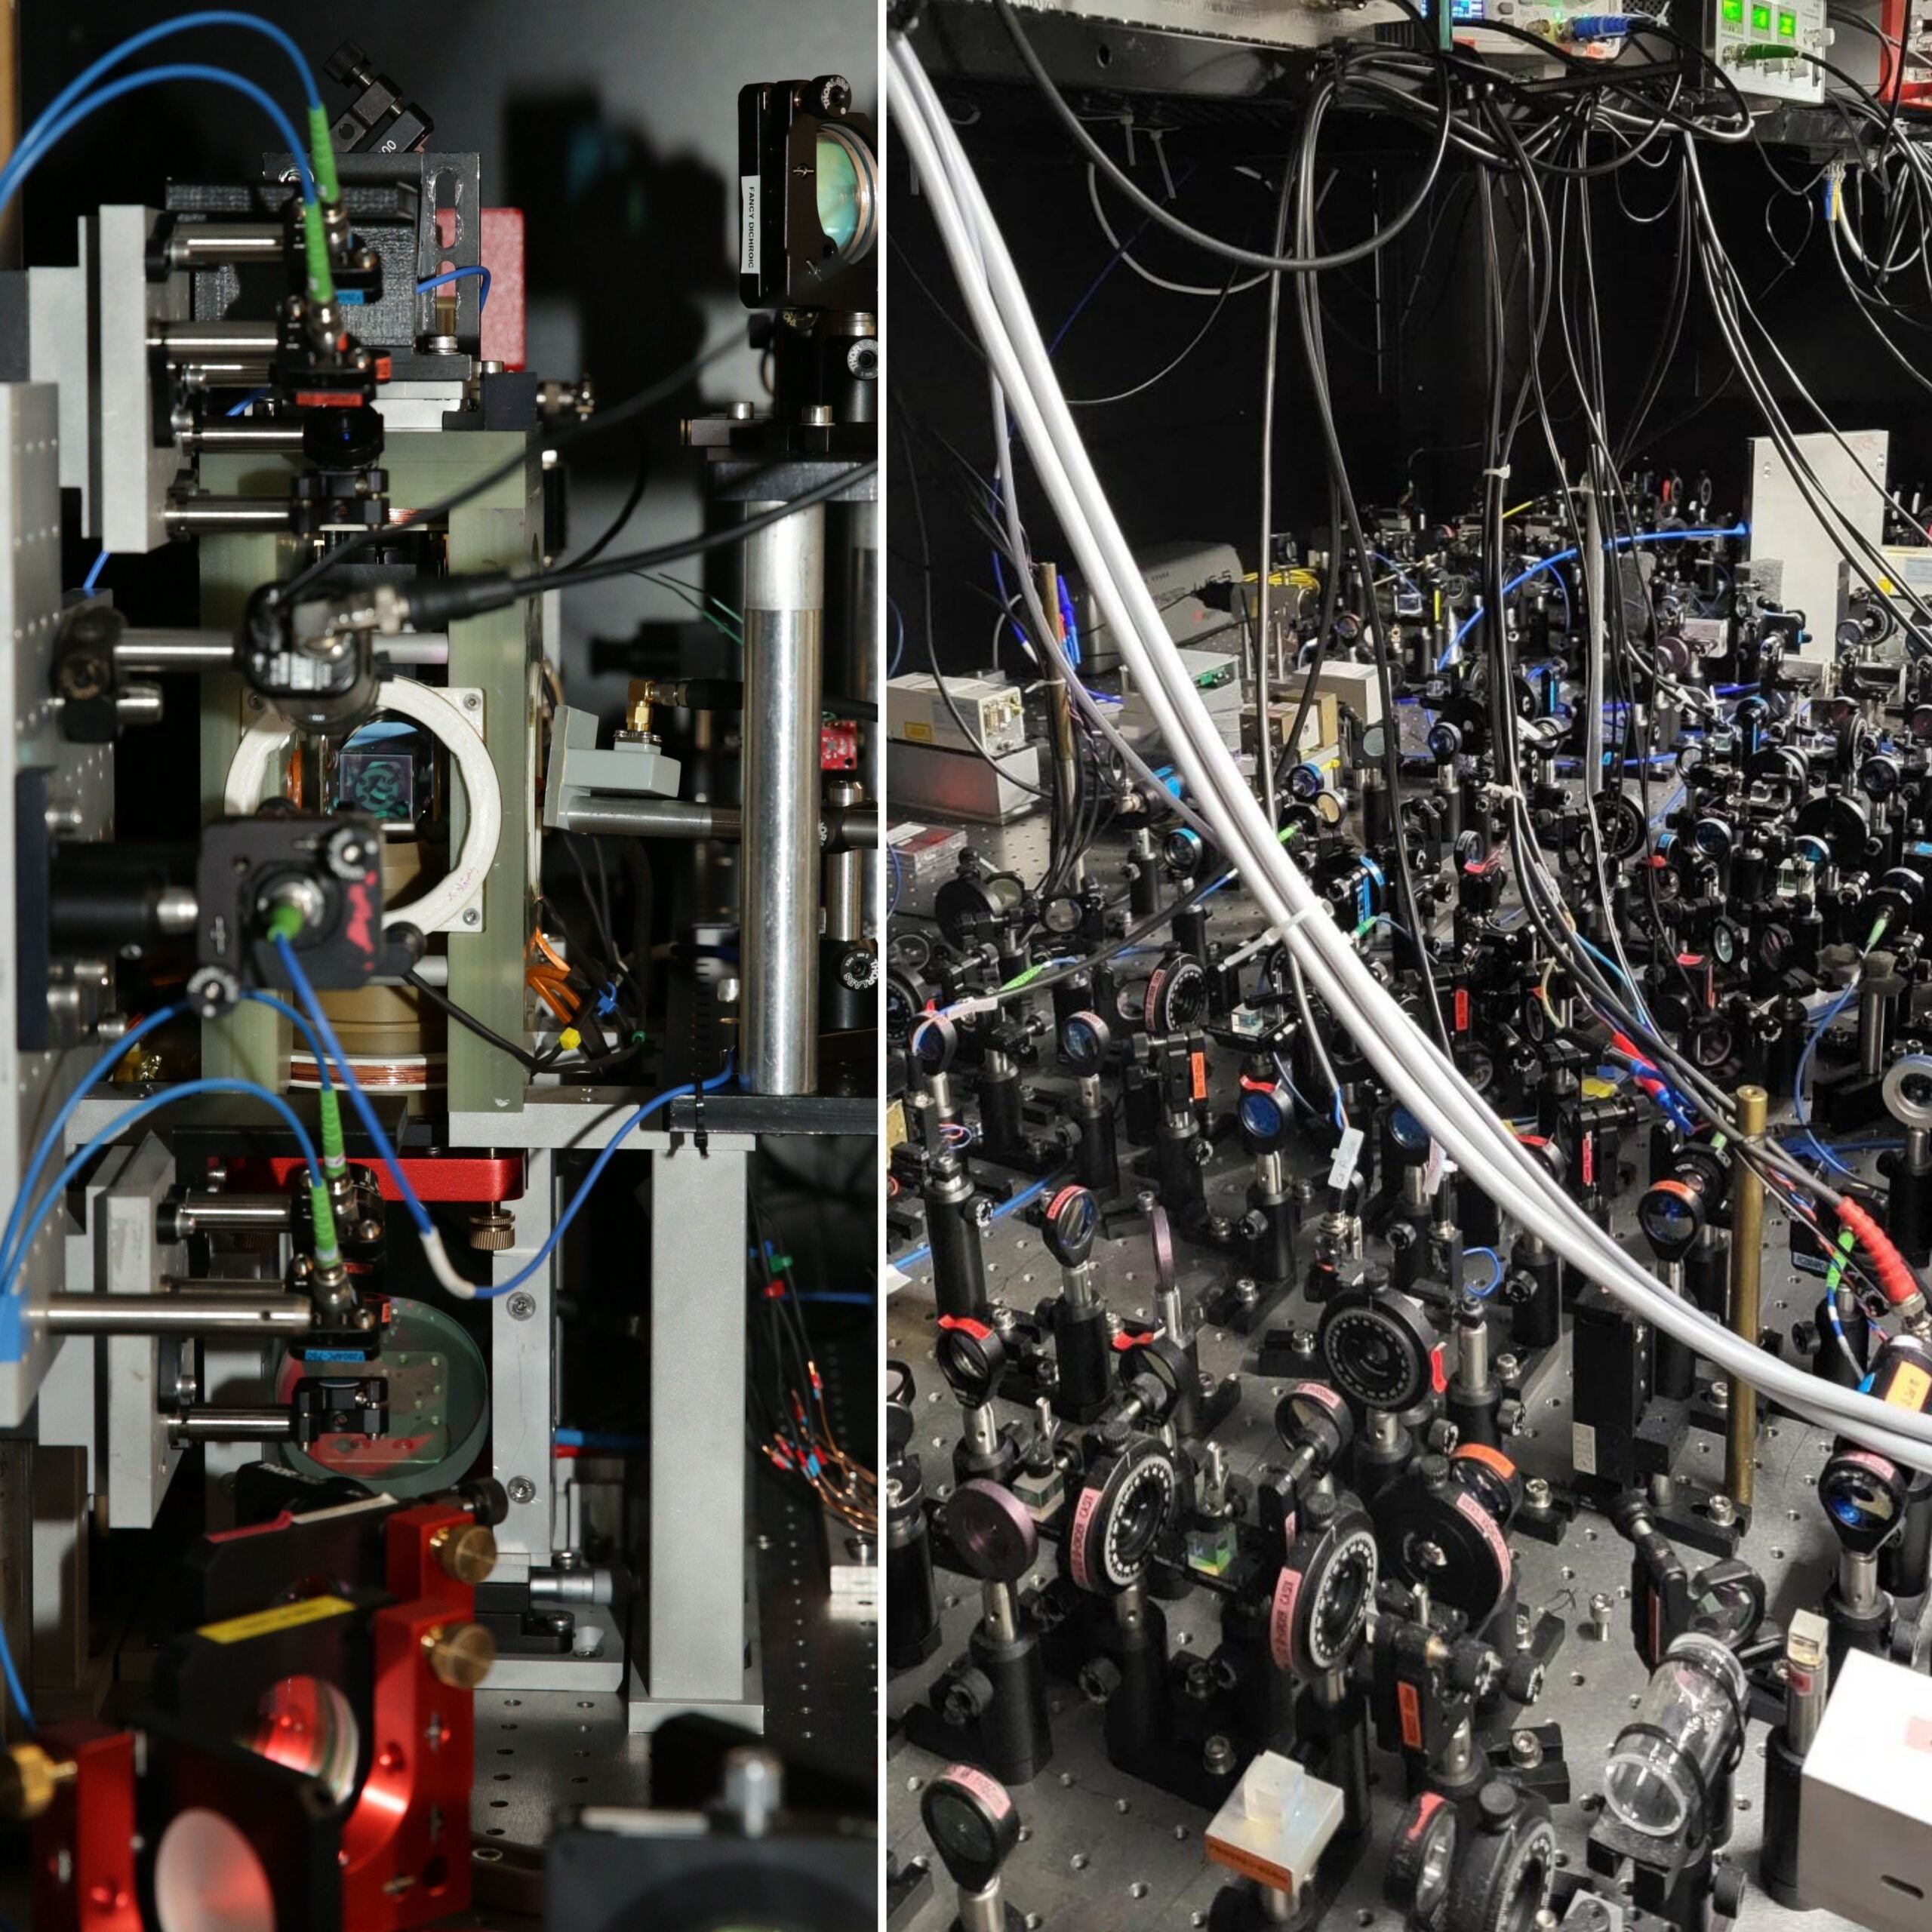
1865 1818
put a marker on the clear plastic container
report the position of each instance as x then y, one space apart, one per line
1681 1741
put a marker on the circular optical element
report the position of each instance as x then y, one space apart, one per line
207 1879
1672 1215
1864 1495
309 1726
1181 851
935 1040
972 1823
1072 1218
1176 998
1907 1089
1083 1039
1118 1516
971 1357
991 1529
1322 1598
846 182
1377 1349
1261 1116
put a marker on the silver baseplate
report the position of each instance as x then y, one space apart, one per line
1101 1852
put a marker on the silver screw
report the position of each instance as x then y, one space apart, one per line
1525 1748
471 916
1723 1511
1217 1756
471 701
1598 1629
522 1306
522 1490
752 1788
1536 1493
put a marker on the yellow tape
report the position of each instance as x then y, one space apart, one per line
284 1617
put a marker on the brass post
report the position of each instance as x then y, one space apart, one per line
1747 1260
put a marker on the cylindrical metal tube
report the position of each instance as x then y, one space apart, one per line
980 1429
231 1425
157 650
1858 1580
1871 1031
195 245
853 828
203 514
784 571
181 339
276 1312
981 1911
1002 1612
861 678
211 1213
1167 1303
1472 1342
594 1584
844 876
1747 1258
844 898
652 818
272 437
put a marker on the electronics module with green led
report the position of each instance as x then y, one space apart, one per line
1762 45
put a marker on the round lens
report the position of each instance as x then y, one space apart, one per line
844 185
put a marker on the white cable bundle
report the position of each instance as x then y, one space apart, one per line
1427 1082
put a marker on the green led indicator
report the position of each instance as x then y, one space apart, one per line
1788 25
1733 9
1760 20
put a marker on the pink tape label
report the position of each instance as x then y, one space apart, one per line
1490 1534
988 1790
1077 1545
1281 1619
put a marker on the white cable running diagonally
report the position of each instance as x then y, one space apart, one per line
1426 1080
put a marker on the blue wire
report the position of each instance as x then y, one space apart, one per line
615 1442
246 403
29 154
179 1090
1402 574
1798 1113
590 1179
914 1255
94 570
1563 556
306 993
301 1025
15 1688
459 275
219 16
99 1072
852 1297
1496 1272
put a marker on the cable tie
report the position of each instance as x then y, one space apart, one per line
1499 471
1294 919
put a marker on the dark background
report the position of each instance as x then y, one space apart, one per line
613 124
1182 461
